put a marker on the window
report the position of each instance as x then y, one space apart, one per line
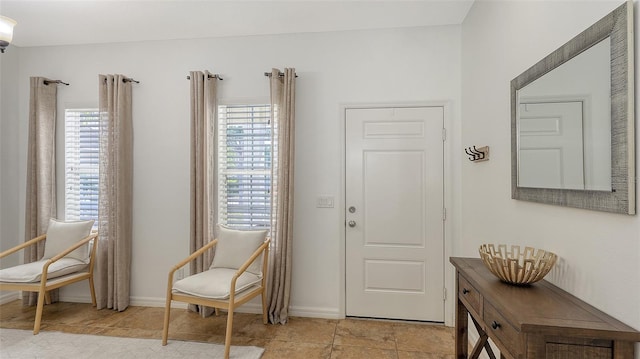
82 150
244 166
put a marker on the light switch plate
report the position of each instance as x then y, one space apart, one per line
325 202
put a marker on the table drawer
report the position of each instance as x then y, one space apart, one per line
470 294
498 328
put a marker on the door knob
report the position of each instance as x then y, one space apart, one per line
352 209
352 224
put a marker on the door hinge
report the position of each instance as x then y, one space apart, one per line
444 294
444 214
444 134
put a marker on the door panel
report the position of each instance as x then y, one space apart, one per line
551 145
393 189
403 276
394 236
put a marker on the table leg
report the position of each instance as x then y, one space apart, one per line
462 339
483 343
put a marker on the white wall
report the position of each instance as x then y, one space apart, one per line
385 66
9 123
599 252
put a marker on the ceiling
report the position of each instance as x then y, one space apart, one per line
57 22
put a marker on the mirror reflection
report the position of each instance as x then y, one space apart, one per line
564 125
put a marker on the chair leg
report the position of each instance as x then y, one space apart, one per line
93 292
47 298
39 309
167 311
227 339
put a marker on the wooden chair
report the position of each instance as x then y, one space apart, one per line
235 277
67 259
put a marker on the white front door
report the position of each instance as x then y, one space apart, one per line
394 213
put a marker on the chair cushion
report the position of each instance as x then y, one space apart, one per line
32 272
62 235
215 283
236 246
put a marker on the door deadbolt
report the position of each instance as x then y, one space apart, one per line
352 209
352 224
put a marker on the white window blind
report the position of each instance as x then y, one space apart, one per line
82 150
244 166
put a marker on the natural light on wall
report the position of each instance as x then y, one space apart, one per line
6 32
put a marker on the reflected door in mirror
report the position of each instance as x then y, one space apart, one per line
551 154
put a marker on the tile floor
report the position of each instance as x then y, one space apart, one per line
307 338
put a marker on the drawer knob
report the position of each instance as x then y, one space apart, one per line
465 290
495 325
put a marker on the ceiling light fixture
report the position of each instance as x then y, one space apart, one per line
6 32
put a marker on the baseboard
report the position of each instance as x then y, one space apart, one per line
315 312
153 302
255 308
74 298
133 301
9 297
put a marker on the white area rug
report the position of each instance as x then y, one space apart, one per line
21 344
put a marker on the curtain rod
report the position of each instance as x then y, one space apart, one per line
210 76
46 82
280 74
125 79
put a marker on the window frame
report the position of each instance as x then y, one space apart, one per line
263 219
75 165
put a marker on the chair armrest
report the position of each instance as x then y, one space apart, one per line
193 256
246 264
77 245
45 268
23 245
92 255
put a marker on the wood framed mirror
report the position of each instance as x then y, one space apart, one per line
572 121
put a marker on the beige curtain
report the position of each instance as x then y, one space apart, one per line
283 114
113 263
41 171
203 169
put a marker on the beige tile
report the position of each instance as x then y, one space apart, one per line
277 349
255 328
426 338
305 338
141 318
87 315
307 330
10 310
17 324
365 333
358 352
191 322
421 355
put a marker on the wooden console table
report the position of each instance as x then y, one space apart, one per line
536 321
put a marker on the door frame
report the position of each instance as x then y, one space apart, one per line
448 271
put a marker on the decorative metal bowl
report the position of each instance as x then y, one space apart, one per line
515 266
